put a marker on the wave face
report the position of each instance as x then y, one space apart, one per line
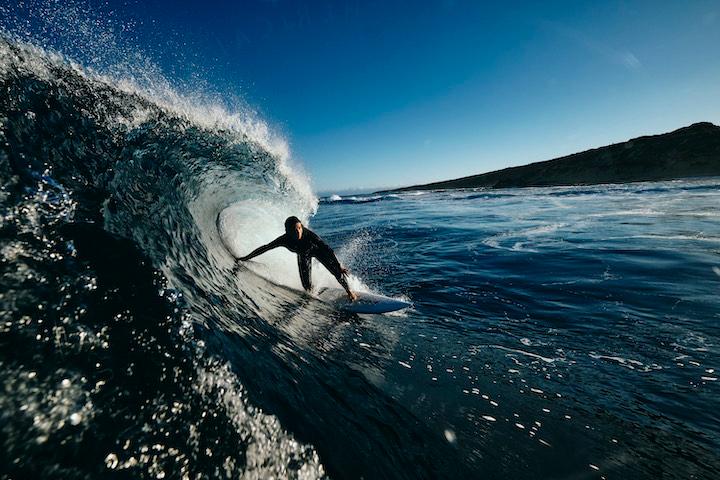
131 344
107 260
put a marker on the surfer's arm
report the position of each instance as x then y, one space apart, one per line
278 242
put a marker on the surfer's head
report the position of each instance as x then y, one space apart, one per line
294 228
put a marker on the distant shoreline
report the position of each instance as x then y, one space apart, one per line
689 152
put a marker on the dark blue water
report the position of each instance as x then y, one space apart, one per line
566 332
556 333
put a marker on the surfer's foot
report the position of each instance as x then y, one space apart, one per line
352 296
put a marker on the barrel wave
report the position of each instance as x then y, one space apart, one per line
103 263
130 345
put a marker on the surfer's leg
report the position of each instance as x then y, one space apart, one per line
305 267
334 267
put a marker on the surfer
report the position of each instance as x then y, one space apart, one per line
307 244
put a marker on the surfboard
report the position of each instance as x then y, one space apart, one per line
366 302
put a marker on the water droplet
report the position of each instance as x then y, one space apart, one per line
111 461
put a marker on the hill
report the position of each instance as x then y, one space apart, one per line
692 151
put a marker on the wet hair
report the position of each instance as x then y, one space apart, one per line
290 224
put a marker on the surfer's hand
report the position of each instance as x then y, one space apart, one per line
352 296
344 271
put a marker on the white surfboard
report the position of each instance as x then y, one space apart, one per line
365 303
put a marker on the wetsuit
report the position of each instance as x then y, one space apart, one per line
309 246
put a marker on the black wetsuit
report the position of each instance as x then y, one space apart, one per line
309 246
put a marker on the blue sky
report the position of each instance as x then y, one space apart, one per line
377 94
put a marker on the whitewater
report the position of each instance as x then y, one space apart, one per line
567 332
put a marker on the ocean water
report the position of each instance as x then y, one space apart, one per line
567 332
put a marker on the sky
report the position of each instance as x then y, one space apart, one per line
376 94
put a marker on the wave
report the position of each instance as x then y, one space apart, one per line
499 240
337 199
699 237
131 341
107 192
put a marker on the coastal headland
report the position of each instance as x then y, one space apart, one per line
692 151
